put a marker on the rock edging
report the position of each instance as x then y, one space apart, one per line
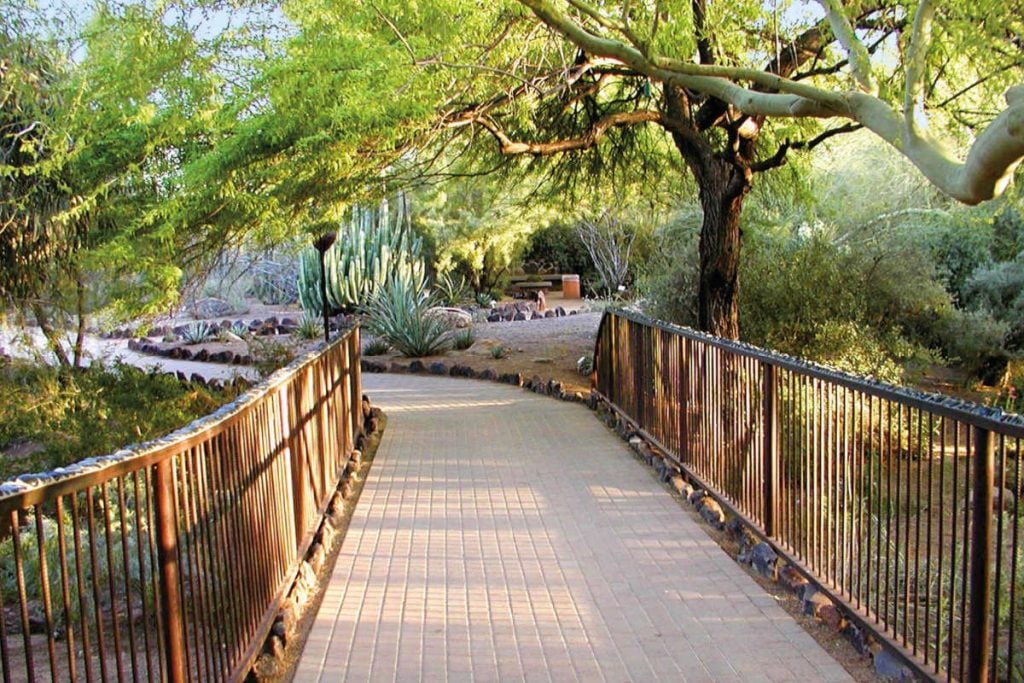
754 552
285 633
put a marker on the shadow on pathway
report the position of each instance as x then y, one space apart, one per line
507 536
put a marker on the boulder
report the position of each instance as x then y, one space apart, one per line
211 308
712 512
762 558
438 368
417 366
454 317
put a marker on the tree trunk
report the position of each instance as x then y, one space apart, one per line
723 187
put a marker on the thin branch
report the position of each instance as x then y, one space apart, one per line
860 61
391 25
779 158
585 141
967 88
917 61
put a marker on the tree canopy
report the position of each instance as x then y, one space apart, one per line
274 119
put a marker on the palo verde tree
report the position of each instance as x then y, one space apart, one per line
734 88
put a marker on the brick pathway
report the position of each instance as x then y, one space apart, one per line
507 536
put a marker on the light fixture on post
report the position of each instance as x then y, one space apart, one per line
322 244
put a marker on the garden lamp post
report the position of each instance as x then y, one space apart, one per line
322 244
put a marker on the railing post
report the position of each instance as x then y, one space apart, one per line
771 449
167 555
981 557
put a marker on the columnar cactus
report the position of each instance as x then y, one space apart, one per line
373 247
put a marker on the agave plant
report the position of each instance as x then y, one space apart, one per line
198 332
400 315
463 339
451 289
374 247
309 328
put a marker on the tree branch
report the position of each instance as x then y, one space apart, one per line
917 61
583 142
860 61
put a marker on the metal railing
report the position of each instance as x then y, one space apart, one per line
899 504
171 561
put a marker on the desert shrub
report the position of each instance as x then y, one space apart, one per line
77 414
498 352
670 282
558 248
453 289
198 332
269 355
399 314
484 299
376 347
999 290
463 339
1007 234
309 327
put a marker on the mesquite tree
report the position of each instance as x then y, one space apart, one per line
736 87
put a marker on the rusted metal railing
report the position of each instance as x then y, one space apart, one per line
900 504
170 561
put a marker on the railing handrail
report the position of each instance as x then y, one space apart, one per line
985 417
42 487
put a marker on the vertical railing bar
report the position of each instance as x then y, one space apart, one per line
1001 448
195 620
142 530
19 575
111 582
917 529
771 448
80 581
969 477
1011 641
5 653
941 542
926 640
65 587
887 620
981 557
44 586
208 552
156 575
222 549
126 566
241 552
898 461
953 547
168 557
94 562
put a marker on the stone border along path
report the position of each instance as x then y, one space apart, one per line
505 536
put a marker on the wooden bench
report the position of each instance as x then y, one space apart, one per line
520 290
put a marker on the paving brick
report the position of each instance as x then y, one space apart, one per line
506 536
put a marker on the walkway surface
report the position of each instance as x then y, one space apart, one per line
506 536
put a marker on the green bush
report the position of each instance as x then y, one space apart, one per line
400 315
73 414
376 347
463 339
310 328
999 290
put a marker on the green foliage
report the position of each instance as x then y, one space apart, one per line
483 299
376 347
400 315
498 352
557 248
463 339
310 327
479 228
75 414
198 332
452 290
1007 234
372 248
999 290
269 354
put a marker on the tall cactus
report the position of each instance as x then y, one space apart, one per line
374 246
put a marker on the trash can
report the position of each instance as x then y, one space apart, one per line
570 286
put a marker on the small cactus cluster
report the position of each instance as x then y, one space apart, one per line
374 247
